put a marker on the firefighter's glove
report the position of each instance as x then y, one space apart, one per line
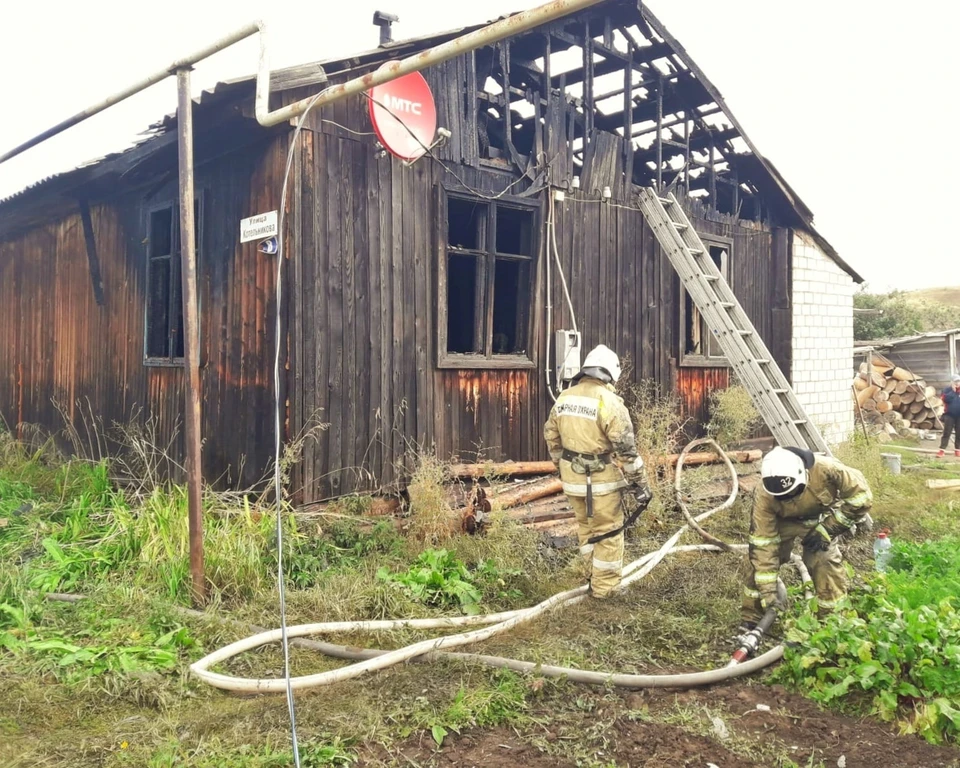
642 496
818 540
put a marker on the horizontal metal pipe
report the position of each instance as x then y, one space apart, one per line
492 33
243 32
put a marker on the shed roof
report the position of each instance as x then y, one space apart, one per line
689 90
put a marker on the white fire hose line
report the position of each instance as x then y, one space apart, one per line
498 623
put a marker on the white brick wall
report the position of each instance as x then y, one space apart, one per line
822 339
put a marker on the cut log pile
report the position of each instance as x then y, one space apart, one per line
539 501
894 401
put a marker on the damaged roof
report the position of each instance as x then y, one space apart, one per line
716 142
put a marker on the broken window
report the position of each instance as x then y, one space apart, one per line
700 344
163 323
486 277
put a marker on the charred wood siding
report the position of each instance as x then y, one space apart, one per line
59 347
694 387
369 239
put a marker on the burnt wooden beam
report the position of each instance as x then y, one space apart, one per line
93 260
588 68
507 113
627 123
545 90
698 142
659 139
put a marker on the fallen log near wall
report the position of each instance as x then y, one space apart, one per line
521 468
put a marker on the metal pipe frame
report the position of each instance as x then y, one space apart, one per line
492 33
141 85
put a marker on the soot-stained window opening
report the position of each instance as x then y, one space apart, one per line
486 286
700 344
163 314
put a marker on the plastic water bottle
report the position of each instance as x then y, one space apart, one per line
882 551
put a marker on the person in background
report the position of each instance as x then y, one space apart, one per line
951 417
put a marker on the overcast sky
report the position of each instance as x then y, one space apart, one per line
832 92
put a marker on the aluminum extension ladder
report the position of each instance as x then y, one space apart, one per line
741 344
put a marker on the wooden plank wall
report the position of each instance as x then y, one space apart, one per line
369 253
59 346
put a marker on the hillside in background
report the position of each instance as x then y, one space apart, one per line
905 313
949 295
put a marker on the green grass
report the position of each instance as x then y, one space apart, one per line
104 682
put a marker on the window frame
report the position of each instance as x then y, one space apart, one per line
172 204
486 256
689 359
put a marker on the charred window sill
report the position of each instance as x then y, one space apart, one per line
696 361
496 362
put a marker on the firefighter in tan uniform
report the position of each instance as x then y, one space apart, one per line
590 438
804 496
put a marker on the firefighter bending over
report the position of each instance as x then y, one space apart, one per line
590 438
804 496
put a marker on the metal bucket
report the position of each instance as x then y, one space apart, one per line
891 461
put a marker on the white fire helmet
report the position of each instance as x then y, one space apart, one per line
783 473
603 357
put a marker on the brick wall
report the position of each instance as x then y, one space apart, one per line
822 339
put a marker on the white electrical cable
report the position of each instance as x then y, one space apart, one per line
278 491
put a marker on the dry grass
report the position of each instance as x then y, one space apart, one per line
431 513
733 416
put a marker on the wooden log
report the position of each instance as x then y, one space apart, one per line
548 486
916 408
908 397
890 386
890 430
869 405
519 468
881 396
884 407
892 417
864 369
926 424
860 384
902 386
902 374
867 394
506 469
930 392
878 379
883 370
944 485
894 400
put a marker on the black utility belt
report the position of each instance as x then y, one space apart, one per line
601 457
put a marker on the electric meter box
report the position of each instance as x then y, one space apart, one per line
568 354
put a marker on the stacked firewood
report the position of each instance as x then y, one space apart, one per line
895 400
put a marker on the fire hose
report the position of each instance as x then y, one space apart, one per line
369 660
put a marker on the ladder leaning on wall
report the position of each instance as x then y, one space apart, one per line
741 344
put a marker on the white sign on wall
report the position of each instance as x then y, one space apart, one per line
259 227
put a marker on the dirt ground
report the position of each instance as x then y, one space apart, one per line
792 726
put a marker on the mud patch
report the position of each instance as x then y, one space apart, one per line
810 733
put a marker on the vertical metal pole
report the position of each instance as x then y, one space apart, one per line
191 335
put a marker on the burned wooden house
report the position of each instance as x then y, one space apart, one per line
415 306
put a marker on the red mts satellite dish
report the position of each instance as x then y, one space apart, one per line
404 115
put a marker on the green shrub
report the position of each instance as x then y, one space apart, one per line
893 649
439 579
